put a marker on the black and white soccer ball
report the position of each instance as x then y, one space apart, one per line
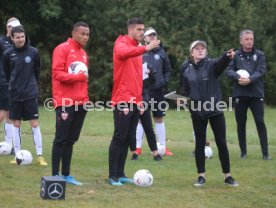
208 152
77 67
143 178
24 157
5 148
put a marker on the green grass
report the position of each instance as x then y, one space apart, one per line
173 177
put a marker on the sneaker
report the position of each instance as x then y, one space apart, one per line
230 181
13 161
243 156
71 180
157 157
113 182
138 151
41 161
168 152
125 180
266 157
200 181
134 156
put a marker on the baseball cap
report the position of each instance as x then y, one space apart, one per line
197 42
149 31
13 22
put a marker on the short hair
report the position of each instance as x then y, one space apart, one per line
17 29
80 24
246 32
134 21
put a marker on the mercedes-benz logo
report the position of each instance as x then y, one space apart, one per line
55 191
43 187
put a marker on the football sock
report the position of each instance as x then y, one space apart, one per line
16 139
139 135
8 133
37 140
161 133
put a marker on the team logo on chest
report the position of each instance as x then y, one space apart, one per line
64 115
28 59
156 57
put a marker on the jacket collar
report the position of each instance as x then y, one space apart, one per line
74 43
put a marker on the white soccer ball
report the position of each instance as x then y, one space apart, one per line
77 67
143 178
161 149
24 157
208 152
243 73
5 148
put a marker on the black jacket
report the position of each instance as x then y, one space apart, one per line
22 67
160 62
200 82
5 43
254 63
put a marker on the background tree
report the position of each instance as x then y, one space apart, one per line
178 23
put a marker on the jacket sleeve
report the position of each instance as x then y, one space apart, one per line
37 66
166 68
6 65
58 65
260 68
184 84
231 71
221 64
124 51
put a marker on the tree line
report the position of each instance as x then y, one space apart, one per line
178 23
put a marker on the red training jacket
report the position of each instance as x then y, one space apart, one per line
68 89
127 70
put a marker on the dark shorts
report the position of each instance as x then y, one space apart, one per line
4 98
26 110
159 106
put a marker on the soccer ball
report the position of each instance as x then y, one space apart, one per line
5 148
243 73
208 152
76 67
24 157
161 149
143 178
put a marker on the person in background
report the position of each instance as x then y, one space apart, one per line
200 82
5 43
70 94
22 67
126 96
248 91
160 62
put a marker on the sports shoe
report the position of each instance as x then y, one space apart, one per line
125 180
71 180
168 152
41 161
200 181
157 157
266 157
13 161
230 181
243 156
114 183
134 156
138 151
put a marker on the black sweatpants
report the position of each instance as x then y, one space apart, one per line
125 124
256 106
69 122
146 122
217 124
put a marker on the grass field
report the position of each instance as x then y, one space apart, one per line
173 177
